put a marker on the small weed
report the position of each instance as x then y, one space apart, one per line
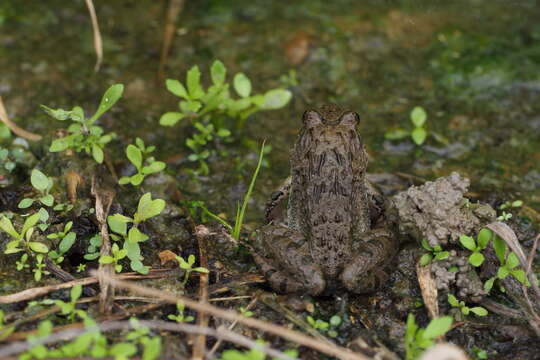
83 134
67 239
118 223
323 326
417 340
435 252
187 266
180 317
509 265
465 310
418 134
139 156
43 184
117 255
69 308
484 236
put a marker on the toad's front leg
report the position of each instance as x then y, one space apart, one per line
282 255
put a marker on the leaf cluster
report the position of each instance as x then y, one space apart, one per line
139 156
417 340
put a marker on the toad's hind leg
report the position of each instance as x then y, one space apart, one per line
367 270
286 264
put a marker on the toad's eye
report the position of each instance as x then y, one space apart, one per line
311 118
350 119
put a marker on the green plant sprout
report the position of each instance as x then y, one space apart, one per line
435 252
81 268
465 310
92 252
418 134
83 133
22 242
479 354
70 308
146 209
323 326
505 216
245 312
139 156
484 236
509 265
417 340
187 266
43 184
67 239
213 112
180 317
117 255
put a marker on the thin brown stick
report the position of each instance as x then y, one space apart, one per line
199 348
19 347
174 8
32 293
98 45
291 335
218 343
13 127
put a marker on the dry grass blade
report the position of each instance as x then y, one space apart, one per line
428 287
13 127
98 45
175 7
291 335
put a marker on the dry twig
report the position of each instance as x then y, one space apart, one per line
98 45
13 127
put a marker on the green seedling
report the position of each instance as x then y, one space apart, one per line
43 184
484 236
81 268
465 310
417 340
146 209
180 317
213 112
245 312
67 239
511 204
509 265
323 326
435 252
139 156
92 252
70 308
117 255
83 134
187 266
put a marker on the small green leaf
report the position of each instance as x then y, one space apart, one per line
170 118
38 247
76 292
438 327
25 203
30 222
136 179
106 259
426 259
47 200
242 85
442 255
218 72
478 310
124 180
502 272
154 167
512 260
39 180
488 285
135 235
134 155
67 242
148 208
7 226
201 270
452 300
97 153
419 135
193 82
476 259
520 276
176 88
467 242
118 223
276 99
396 134
111 96
425 245
500 248
58 114
517 203
59 145
418 116
483 238
77 114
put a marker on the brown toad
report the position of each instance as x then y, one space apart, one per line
335 225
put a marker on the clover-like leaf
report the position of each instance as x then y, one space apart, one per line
135 235
118 223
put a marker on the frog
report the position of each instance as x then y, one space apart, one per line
327 226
